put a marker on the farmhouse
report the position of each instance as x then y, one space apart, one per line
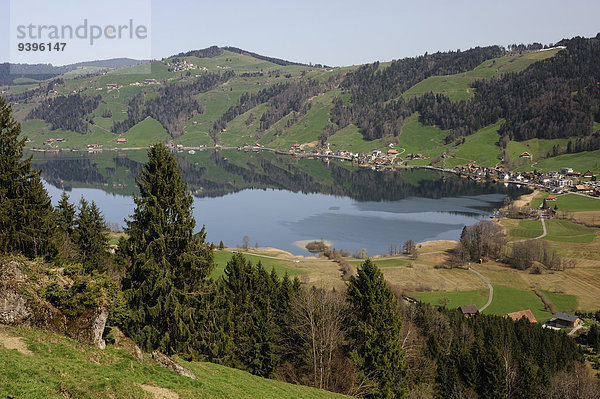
551 198
516 316
468 310
589 173
566 171
564 320
121 140
525 155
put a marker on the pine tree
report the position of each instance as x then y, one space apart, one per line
65 224
90 237
375 331
26 213
65 214
492 370
168 261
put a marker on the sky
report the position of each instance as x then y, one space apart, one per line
331 32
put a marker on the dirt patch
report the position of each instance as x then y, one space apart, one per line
14 343
525 200
158 392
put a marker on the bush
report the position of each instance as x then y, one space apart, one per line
316 246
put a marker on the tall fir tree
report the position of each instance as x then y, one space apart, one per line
65 223
26 213
375 331
65 215
90 237
168 261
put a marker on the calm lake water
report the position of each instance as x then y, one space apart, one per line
278 218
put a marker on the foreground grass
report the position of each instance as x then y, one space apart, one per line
60 367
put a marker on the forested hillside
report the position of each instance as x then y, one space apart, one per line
427 104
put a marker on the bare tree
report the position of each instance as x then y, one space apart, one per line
245 242
315 323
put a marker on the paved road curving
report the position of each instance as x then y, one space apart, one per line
485 280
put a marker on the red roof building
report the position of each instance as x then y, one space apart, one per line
516 316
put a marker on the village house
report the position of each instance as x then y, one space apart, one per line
564 320
525 155
566 171
582 188
588 174
551 197
469 310
516 316
121 140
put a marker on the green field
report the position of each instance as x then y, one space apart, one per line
60 367
567 231
538 148
562 302
580 162
458 87
350 139
527 229
418 138
480 148
281 267
456 299
509 299
570 203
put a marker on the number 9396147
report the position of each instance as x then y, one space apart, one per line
26 46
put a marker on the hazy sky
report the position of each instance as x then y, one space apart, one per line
330 31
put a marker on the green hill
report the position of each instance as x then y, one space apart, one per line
278 103
40 365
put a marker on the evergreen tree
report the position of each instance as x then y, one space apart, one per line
90 237
168 261
26 213
492 373
65 224
375 331
252 295
65 215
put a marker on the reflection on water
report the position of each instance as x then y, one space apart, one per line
278 200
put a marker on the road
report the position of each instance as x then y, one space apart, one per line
485 280
491 288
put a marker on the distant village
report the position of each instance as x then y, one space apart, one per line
556 182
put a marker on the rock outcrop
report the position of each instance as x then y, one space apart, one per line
166 362
21 306
119 340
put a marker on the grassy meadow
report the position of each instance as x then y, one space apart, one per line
53 366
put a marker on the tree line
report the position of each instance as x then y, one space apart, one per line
66 112
173 105
554 98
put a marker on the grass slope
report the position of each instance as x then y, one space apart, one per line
281 267
480 148
458 87
567 231
569 202
456 299
60 367
510 299
580 162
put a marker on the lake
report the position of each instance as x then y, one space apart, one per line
298 201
